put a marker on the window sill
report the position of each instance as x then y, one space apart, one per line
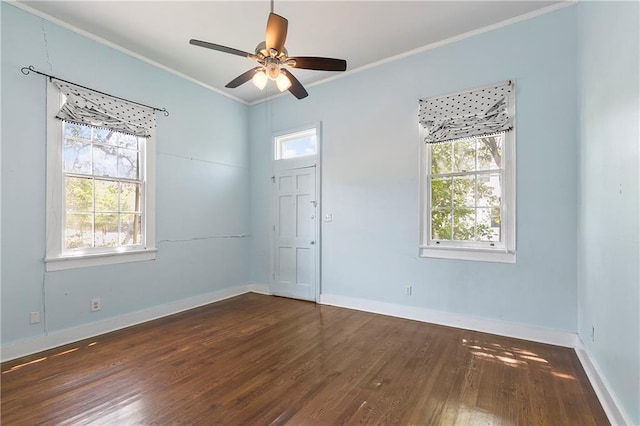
479 255
86 261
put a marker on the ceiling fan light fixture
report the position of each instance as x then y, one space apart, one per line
283 82
259 79
273 70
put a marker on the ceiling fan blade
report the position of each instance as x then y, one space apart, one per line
242 78
320 64
296 88
276 32
218 47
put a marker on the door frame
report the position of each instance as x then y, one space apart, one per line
292 164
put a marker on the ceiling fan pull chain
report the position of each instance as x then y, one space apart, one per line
271 6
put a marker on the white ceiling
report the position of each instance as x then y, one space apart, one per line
362 32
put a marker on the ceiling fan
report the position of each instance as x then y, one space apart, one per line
273 59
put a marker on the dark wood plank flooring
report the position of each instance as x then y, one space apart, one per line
254 360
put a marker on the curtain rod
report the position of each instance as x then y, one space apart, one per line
30 69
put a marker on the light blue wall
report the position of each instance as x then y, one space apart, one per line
202 184
371 182
608 237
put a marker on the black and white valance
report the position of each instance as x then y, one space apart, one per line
84 106
468 114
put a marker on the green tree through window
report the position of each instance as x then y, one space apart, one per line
466 190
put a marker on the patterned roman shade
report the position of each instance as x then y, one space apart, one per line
84 106
468 114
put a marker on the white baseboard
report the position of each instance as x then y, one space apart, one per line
260 288
85 331
502 328
610 404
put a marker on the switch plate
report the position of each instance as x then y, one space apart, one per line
407 290
328 217
34 317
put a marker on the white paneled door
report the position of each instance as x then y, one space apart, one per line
295 245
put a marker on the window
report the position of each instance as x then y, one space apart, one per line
468 192
100 192
298 144
103 188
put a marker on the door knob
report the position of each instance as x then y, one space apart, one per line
312 242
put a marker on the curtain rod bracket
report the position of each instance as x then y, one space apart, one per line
30 69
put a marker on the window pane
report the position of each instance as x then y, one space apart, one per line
128 141
489 224
129 197
464 156
106 230
78 230
130 229
490 153
464 191
464 224
78 194
441 157
76 131
77 156
104 160
106 196
105 136
128 163
293 146
441 192
441 224
489 190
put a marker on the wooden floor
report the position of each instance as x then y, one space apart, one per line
256 359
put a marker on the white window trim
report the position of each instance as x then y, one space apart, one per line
463 250
56 259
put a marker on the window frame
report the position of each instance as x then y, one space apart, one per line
471 250
57 258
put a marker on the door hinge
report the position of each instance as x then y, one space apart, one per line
274 228
273 276
273 179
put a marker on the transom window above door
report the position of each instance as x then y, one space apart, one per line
295 145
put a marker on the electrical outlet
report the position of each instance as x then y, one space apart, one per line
34 317
593 333
95 305
407 290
